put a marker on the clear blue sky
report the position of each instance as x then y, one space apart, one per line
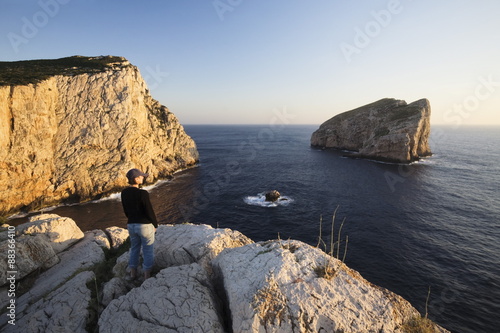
245 61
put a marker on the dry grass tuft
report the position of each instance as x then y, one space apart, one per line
419 324
326 271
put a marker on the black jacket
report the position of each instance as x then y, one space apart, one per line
137 206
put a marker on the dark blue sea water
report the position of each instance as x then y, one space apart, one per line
433 224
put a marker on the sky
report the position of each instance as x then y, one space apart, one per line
288 61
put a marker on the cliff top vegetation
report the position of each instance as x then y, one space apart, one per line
34 71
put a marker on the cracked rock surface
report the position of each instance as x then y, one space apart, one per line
117 236
32 253
81 256
37 245
63 310
177 299
289 286
60 232
187 243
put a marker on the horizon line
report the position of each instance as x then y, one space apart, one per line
310 124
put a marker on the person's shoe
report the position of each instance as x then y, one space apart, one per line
147 274
132 276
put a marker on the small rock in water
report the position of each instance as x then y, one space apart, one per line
272 195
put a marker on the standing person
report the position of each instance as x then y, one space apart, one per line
141 222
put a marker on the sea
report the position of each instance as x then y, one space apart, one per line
428 231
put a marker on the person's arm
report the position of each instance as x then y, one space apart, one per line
123 204
150 214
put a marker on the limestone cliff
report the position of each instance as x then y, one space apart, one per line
388 130
70 128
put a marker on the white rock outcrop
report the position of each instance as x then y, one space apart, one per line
183 244
82 256
31 253
187 243
38 242
100 237
289 286
60 232
117 236
72 132
177 299
63 310
113 289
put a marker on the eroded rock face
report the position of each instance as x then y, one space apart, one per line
177 299
388 130
32 253
183 244
187 243
82 256
289 286
117 236
38 242
64 265
63 310
60 232
74 136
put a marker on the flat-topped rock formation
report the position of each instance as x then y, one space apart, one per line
204 280
387 130
70 129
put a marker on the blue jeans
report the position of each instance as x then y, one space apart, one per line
141 235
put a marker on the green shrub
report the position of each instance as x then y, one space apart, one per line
34 71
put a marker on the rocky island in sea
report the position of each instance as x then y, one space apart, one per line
388 130
204 280
70 129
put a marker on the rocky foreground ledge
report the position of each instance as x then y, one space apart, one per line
206 280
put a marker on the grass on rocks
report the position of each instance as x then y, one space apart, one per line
103 273
420 324
416 324
330 268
